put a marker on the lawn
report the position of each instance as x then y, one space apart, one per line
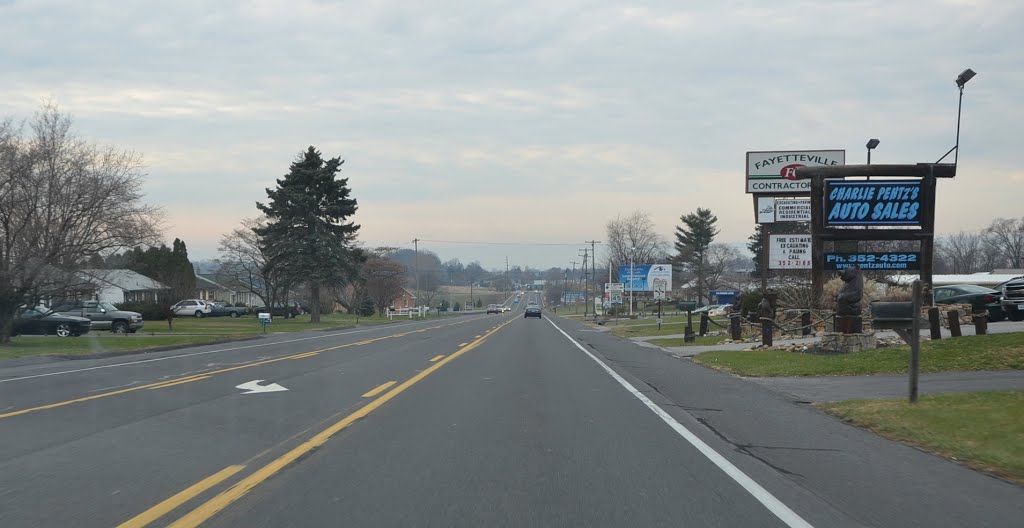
988 352
678 341
94 343
984 430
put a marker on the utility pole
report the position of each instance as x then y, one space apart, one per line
585 293
507 283
416 266
593 267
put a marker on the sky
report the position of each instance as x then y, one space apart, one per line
525 125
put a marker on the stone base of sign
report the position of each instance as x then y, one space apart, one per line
836 343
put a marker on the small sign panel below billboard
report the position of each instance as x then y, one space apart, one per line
792 210
789 252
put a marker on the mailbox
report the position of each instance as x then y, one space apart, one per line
264 317
892 315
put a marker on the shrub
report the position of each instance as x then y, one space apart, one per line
150 311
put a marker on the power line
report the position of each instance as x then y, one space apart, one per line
481 243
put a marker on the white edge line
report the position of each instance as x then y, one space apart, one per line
762 495
205 352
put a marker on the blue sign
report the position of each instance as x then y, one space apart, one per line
899 260
873 203
637 281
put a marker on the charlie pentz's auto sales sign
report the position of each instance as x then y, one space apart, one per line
775 172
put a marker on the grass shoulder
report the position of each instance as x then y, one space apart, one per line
988 352
92 343
982 430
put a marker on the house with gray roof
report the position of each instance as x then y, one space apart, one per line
123 286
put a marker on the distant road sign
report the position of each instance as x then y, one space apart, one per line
659 288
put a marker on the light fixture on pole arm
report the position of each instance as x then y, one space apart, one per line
961 80
872 144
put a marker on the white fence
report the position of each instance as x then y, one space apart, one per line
418 311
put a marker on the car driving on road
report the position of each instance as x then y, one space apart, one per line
532 311
104 316
493 308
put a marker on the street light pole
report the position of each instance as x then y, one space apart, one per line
631 283
872 143
961 80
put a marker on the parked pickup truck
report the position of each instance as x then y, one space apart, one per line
219 309
289 310
104 316
1013 299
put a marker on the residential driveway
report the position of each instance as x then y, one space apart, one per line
838 388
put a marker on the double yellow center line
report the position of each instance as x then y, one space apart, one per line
224 499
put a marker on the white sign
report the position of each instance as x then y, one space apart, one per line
661 272
774 172
614 290
659 289
765 209
789 252
792 210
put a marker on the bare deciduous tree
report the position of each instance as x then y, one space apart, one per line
63 201
634 236
1007 236
383 279
962 251
245 263
720 256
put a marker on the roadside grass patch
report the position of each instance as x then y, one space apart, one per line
988 352
983 430
92 343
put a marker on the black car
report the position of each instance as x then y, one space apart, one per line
532 311
979 297
39 322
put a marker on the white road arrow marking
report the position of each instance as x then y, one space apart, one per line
253 387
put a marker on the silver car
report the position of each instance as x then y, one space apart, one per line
192 308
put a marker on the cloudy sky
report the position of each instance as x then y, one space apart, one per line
521 121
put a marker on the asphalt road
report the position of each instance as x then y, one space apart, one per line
472 421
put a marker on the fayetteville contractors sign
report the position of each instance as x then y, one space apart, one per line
872 203
774 172
789 252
